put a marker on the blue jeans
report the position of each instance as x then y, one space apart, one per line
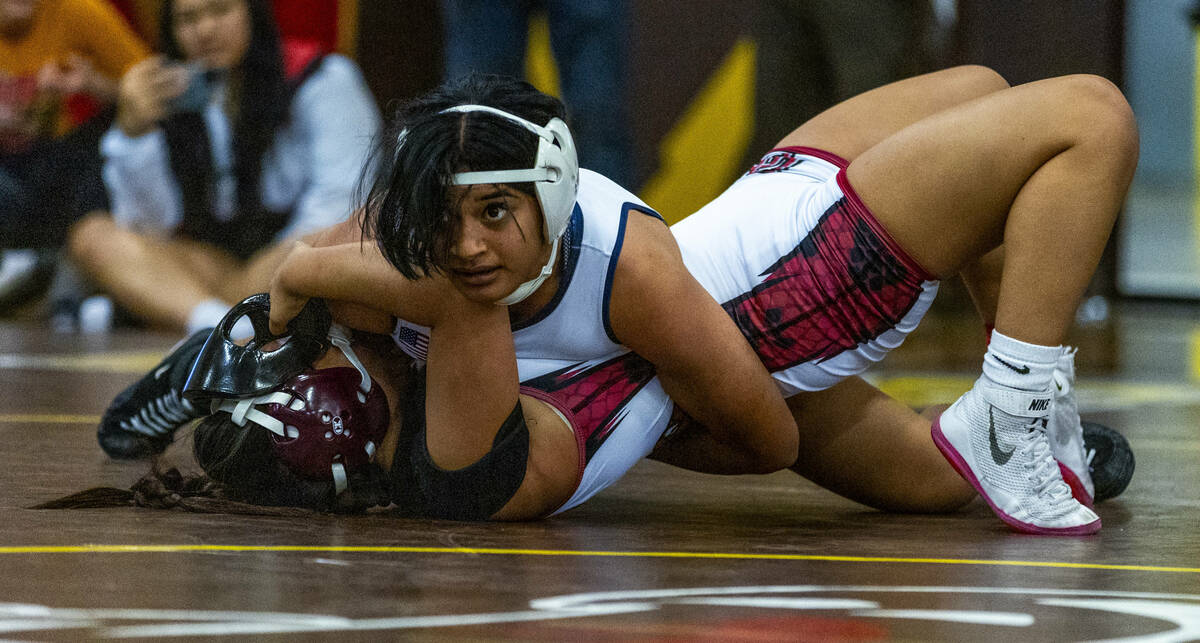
589 39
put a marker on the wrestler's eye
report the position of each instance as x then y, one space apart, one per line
494 213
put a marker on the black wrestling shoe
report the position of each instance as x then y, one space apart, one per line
142 420
1110 459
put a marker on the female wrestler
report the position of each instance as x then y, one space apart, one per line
856 218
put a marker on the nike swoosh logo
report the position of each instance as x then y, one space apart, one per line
1024 370
998 456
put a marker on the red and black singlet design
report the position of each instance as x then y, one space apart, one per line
596 396
845 284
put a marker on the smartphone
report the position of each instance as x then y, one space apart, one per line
195 96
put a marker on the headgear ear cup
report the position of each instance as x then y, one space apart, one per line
557 197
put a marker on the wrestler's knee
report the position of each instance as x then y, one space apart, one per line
1102 113
976 80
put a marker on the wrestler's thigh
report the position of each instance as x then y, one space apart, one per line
860 443
853 126
959 171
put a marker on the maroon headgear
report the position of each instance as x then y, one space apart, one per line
323 422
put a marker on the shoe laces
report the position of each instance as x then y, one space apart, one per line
1039 461
161 416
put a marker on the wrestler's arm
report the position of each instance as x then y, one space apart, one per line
705 364
354 273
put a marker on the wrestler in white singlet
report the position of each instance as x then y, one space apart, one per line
566 353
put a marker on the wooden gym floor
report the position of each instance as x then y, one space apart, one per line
665 555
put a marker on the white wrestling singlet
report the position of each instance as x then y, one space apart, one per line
567 355
814 282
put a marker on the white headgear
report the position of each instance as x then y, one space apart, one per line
555 175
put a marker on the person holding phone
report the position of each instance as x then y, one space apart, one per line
228 142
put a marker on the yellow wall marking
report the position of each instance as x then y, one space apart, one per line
540 69
347 27
138 549
702 154
1194 349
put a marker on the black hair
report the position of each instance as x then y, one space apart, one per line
234 469
263 98
242 459
406 204
240 474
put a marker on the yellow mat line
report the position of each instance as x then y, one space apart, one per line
123 549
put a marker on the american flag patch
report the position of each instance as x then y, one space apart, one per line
413 342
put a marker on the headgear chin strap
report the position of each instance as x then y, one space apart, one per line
555 175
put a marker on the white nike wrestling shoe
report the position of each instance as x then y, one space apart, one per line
1066 432
996 439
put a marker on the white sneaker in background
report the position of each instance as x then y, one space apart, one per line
96 314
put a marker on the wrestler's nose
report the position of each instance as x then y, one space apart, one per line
470 242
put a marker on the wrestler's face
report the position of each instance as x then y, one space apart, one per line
215 33
500 243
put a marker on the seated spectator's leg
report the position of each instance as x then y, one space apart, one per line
254 275
162 281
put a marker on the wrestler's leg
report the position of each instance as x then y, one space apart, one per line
1043 167
471 388
866 446
855 125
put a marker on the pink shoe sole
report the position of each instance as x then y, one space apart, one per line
960 465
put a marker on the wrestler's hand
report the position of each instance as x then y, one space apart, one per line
286 302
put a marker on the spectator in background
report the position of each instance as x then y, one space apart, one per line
813 54
589 38
230 142
60 61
